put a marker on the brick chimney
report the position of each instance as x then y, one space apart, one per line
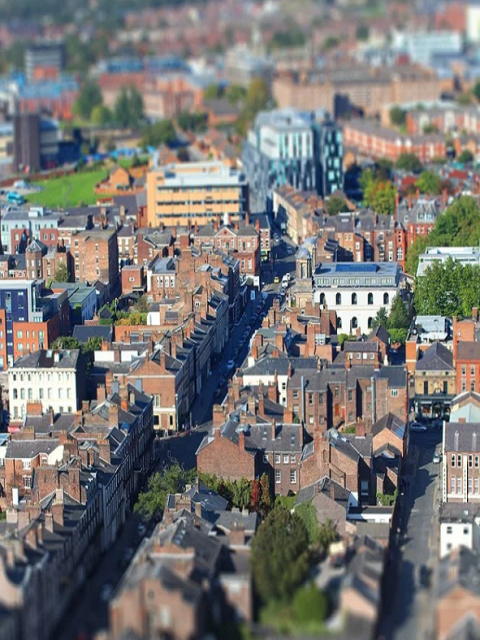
254 352
261 400
272 392
288 415
101 393
218 415
237 535
104 450
113 415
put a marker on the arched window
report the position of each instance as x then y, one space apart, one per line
322 298
386 298
338 298
354 322
370 320
370 298
339 323
354 298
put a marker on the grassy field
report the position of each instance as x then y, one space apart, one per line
69 191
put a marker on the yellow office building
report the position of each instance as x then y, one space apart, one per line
195 192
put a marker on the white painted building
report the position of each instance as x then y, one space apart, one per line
459 526
46 376
464 255
356 291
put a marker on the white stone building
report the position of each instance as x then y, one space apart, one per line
47 376
356 291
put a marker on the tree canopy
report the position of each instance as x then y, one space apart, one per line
336 205
466 156
174 479
128 111
161 132
429 182
397 116
409 162
378 194
448 289
90 96
280 556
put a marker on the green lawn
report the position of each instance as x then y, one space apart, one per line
69 191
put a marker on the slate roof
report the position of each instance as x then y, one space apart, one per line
391 422
44 359
381 333
84 332
326 486
460 568
468 351
259 435
436 358
30 448
462 437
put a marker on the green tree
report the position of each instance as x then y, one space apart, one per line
212 91
235 93
398 318
307 513
413 252
158 133
398 335
327 533
381 319
61 274
101 115
309 605
242 492
398 116
89 97
287 38
448 289
476 90
121 111
429 182
173 479
363 32
430 128
409 162
266 500
336 205
378 194
466 156
66 342
257 97
464 99
279 556
135 107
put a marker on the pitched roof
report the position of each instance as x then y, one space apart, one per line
468 351
391 422
462 437
327 487
45 359
436 358
461 567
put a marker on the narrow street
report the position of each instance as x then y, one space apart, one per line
409 610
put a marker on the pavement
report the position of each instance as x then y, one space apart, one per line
408 609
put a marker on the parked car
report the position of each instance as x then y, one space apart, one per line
417 426
230 365
276 279
436 458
